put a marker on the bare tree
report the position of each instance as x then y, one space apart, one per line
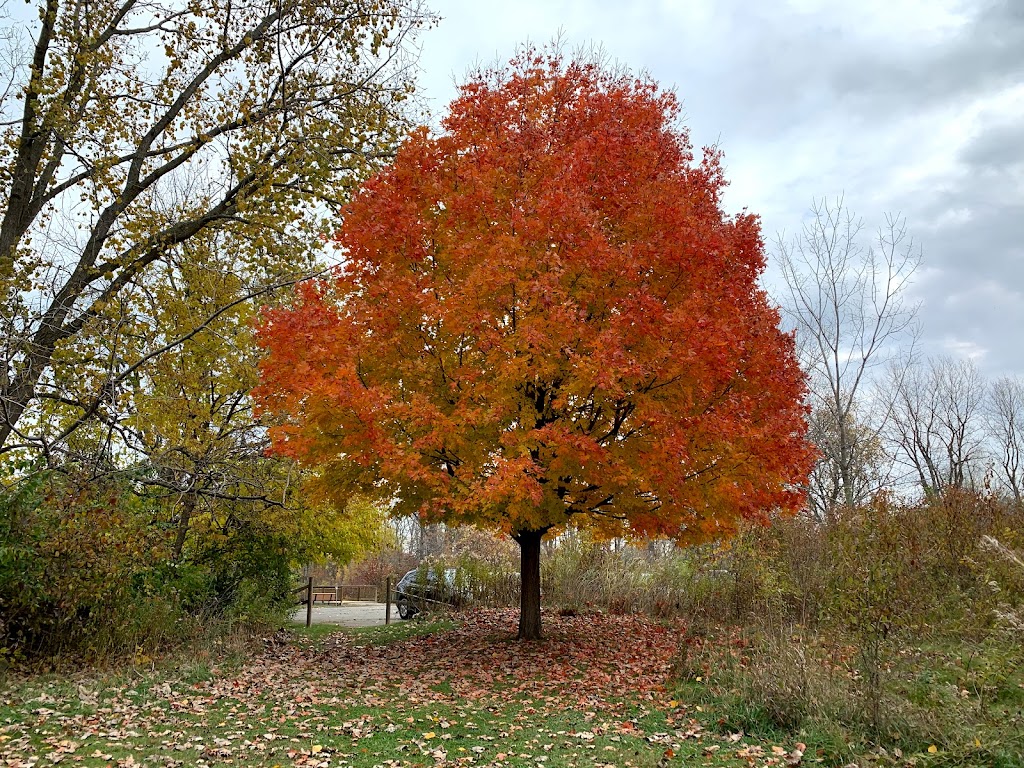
131 128
936 422
846 298
1004 419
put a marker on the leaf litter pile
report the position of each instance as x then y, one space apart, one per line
594 692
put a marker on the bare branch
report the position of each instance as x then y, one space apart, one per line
846 299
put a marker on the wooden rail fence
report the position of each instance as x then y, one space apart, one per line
336 593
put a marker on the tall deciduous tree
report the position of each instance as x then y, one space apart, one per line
936 423
1004 417
545 320
847 301
130 128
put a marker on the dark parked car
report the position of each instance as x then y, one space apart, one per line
425 587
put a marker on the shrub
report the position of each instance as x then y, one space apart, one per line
72 555
892 625
875 589
86 569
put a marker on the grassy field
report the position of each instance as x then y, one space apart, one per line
940 701
599 690
596 692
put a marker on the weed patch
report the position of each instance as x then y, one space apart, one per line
799 685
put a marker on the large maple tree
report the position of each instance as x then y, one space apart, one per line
545 319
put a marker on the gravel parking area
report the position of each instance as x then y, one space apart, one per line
347 614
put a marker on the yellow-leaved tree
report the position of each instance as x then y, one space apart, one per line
130 129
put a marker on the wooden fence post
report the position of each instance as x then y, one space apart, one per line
387 602
309 602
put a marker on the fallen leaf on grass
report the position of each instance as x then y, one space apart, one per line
598 666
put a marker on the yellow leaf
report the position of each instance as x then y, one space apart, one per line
933 749
977 741
429 735
673 703
316 748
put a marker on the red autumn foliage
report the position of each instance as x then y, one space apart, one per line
546 319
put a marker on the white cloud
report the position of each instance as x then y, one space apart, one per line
963 348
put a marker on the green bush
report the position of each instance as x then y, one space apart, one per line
71 556
86 569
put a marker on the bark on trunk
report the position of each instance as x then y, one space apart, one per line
529 598
187 508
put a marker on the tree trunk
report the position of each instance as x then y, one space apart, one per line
187 508
529 594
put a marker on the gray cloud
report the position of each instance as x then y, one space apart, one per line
985 55
998 150
901 105
976 248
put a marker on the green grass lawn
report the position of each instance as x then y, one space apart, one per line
461 691
315 634
597 691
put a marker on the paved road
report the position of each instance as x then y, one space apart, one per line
348 614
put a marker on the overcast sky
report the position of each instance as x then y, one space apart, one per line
907 106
